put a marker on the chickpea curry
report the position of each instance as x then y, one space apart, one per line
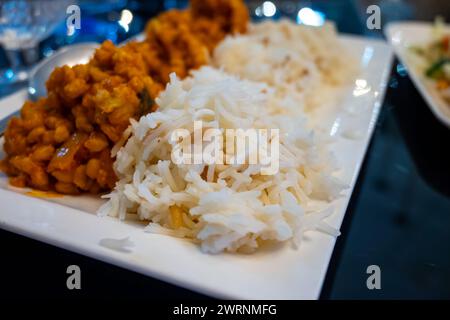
63 141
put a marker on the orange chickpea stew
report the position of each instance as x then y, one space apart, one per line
63 141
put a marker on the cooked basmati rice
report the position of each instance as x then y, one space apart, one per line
231 207
303 63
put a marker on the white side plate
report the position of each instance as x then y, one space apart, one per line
403 35
279 272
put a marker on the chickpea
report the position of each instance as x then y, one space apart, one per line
82 71
97 74
34 120
7 168
66 188
52 101
113 133
61 134
137 84
92 168
104 54
63 176
43 153
22 163
35 134
75 88
19 181
121 116
80 179
27 109
68 74
102 178
39 177
48 137
51 121
96 142
81 120
83 124
15 144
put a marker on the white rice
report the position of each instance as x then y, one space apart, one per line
232 207
303 63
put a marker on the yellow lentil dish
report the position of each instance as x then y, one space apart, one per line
63 141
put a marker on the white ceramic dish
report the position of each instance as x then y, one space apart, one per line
403 35
279 272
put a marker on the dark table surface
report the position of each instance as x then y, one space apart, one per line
398 217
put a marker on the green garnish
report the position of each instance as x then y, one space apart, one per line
437 69
417 50
146 104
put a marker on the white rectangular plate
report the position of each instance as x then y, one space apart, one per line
403 35
280 272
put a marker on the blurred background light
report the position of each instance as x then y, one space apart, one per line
9 74
268 9
47 51
361 87
31 90
310 17
125 19
258 11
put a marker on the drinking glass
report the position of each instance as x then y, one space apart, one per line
23 24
